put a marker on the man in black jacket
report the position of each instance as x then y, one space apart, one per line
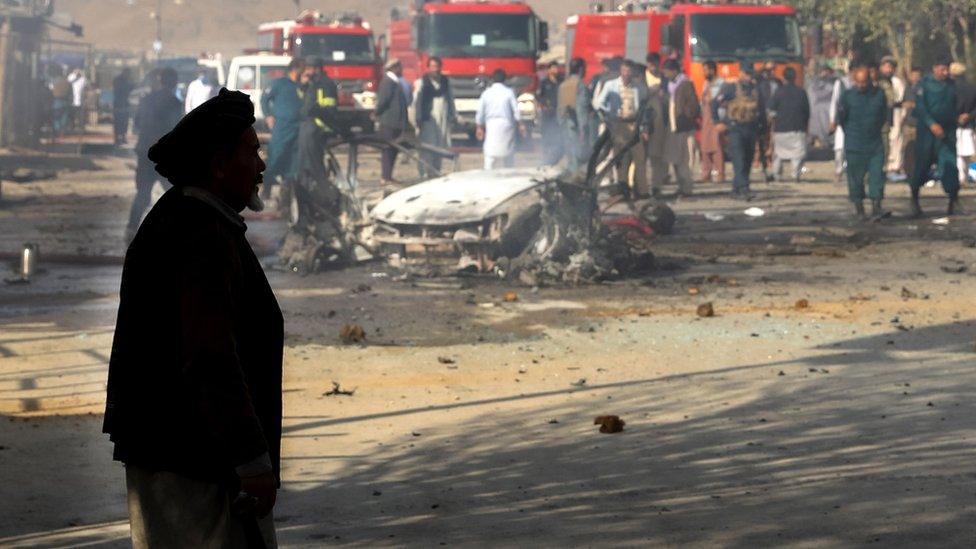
194 385
157 113
391 115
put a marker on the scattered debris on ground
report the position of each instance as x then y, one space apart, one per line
337 390
352 333
609 424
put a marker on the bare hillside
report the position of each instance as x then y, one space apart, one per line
227 26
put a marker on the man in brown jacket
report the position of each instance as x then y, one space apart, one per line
194 382
683 112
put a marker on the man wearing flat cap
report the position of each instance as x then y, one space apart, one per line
194 387
935 110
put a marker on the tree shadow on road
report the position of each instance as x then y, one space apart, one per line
857 445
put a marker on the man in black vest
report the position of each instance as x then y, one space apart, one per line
194 383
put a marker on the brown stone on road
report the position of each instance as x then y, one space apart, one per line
706 310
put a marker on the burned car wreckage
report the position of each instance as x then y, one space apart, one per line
533 226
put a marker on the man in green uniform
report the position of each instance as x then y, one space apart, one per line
863 113
282 107
935 109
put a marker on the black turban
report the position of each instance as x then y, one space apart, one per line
672 65
182 155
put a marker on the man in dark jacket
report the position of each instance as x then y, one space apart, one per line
157 113
282 107
789 110
863 114
391 116
319 110
121 89
935 109
194 385
741 112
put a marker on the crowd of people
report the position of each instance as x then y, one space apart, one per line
881 127
660 127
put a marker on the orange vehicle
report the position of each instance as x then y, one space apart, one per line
726 33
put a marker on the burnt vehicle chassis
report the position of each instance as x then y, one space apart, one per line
519 221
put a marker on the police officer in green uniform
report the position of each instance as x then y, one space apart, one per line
319 110
863 113
935 109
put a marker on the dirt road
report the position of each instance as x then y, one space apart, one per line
847 422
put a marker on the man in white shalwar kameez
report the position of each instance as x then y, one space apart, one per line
840 85
498 120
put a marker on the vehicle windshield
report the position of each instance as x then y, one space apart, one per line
336 49
733 36
481 35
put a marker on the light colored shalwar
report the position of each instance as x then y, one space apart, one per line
498 113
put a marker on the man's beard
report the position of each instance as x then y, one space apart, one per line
255 203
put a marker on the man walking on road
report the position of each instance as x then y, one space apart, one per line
895 87
620 102
158 112
193 401
863 113
789 111
744 119
498 120
391 116
935 109
282 108
683 112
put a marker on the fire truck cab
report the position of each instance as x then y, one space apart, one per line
346 45
725 33
473 38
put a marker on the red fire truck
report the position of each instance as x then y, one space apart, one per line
473 38
344 41
726 33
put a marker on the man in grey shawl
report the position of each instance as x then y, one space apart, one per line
434 113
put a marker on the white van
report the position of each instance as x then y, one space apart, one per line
252 74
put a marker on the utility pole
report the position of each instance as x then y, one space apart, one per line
158 43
